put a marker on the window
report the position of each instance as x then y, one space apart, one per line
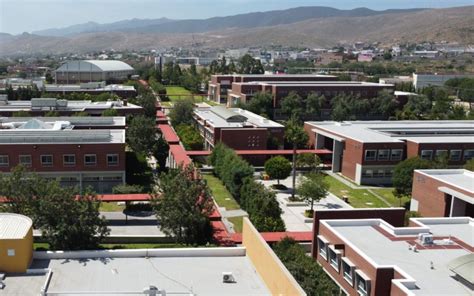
363 283
348 270
69 159
46 160
322 247
468 154
4 160
396 154
370 155
455 155
112 159
25 160
90 159
384 154
334 256
426 154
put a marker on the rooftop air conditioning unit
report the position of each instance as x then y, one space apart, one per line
425 238
228 277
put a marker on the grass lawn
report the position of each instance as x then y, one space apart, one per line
237 221
111 207
221 195
358 198
173 91
387 194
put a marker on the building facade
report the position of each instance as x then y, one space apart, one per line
57 150
367 151
92 70
219 85
237 128
443 193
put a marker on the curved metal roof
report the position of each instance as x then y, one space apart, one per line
228 114
14 226
94 66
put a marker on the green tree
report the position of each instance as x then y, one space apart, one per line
261 103
314 105
49 78
278 168
52 113
296 136
403 175
190 137
292 105
160 152
249 65
183 205
67 220
308 160
469 165
312 188
182 112
21 114
306 271
417 107
141 134
110 112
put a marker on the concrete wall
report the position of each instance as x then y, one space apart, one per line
23 253
275 275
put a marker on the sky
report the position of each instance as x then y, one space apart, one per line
17 16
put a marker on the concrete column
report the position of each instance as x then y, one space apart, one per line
319 141
336 156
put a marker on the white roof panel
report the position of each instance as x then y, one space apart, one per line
14 226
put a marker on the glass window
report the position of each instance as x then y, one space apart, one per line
4 160
468 154
370 155
69 159
46 160
455 155
25 160
112 159
384 154
362 285
441 152
90 159
334 259
396 154
322 246
426 154
348 271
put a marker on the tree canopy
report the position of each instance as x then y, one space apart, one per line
403 175
278 168
312 188
182 112
141 134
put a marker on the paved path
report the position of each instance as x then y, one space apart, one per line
347 182
233 213
145 224
294 215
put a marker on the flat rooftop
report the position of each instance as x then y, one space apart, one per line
222 117
82 121
183 271
462 179
316 83
387 246
79 88
74 106
429 131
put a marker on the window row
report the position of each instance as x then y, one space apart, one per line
383 154
355 277
453 155
380 173
46 160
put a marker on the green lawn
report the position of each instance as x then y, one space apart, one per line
237 221
387 194
111 207
358 198
173 93
221 195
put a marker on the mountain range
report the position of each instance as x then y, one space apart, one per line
302 26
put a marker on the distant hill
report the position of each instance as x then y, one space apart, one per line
293 27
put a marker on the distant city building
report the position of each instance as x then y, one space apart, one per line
369 256
237 128
443 193
326 58
396 80
92 70
429 54
56 149
422 80
219 85
367 151
41 106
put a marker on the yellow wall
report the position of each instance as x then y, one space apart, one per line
23 253
275 275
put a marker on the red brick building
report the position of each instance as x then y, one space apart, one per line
369 256
237 128
57 150
219 85
367 151
443 193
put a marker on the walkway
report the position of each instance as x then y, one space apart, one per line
347 182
